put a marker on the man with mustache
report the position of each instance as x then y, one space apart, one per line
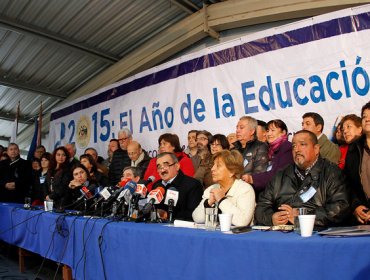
311 182
190 190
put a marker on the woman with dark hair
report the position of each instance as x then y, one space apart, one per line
351 128
58 178
82 182
89 162
357 170
169 143
229 193
4 156
218 143
39 187
280 155
36 165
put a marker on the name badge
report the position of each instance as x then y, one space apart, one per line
245 162
42 180
306 196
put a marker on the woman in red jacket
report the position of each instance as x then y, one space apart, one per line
169 143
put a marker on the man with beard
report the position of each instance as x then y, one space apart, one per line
190 190
311 182
202 161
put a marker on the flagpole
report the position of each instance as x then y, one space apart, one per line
13 138
39 126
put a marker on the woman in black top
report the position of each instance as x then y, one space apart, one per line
40 187
58 179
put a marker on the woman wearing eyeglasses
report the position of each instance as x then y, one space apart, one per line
218 143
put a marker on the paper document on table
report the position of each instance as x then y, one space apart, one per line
185 224
361 230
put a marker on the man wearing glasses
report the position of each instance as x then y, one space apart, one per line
120 158
202 160
190 190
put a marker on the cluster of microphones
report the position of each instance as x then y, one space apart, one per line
128 201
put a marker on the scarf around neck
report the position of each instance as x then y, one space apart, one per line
274 146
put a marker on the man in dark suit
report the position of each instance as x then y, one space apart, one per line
16 176
190 190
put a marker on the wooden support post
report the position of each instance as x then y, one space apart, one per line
21 254
67 272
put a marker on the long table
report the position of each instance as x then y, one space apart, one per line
105 249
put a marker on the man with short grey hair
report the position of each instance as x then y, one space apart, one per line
254 152
120 158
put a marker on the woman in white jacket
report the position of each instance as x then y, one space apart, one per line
230 194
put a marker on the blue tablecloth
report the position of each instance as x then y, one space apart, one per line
99 249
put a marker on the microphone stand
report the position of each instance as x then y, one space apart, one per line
153 215
170 210
134 213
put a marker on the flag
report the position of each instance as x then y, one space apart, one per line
36 139
13 138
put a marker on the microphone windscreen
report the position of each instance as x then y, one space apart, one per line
151 178
124 182
131 186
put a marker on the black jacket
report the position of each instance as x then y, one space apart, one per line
58 190
255 156
143 165
352 169
100 179
39 186
120 160
190 194
20 172
330 202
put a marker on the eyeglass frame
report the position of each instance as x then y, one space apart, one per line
165 165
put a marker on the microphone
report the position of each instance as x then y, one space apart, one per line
172 196
141 190
86 192
104 195
123 182
151 179
155 197
127 192
121 196
116 193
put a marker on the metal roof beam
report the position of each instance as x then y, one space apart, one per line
182 6
4 138
221 16
11 117
53 38
30 88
